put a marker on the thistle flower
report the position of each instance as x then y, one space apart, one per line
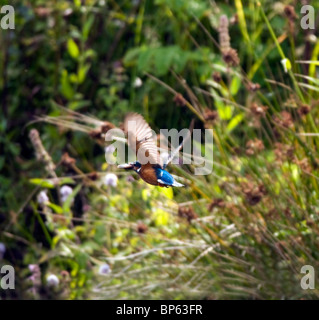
3 250
65 191
52 280
42 198
104 269
110 179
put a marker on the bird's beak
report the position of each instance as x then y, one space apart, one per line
125 166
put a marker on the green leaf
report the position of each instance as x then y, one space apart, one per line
43 183
224 112
87 27
73 49
66 88
235 85
131 56
145 60
234 122
46 183
83 72
57 209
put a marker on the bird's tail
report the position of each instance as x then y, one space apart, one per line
177 184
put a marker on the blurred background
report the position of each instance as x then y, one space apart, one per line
74 227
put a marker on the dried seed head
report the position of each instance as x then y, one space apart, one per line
253 194
257 110
187 213
67 161
179 100
210 115
224 38
253 87
284 119
217 77
216 203
283 152
254 147
290 12
304 110
141 227
93 176
230 56
304 165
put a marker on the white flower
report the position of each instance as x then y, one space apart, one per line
104 269
42 198
2 250
65 191
137 83
110 179
52 280
67 12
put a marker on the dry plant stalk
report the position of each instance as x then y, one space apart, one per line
41 153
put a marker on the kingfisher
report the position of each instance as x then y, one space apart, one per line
149 165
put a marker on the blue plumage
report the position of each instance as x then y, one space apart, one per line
164 176
151 171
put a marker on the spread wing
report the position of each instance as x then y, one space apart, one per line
140 139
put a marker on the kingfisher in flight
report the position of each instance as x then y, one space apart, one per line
149 165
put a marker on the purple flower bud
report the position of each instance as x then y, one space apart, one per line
42 198
52 280
65 191
104 269
110 179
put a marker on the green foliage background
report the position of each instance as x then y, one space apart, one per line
242 232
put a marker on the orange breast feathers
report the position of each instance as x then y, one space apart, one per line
148 174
